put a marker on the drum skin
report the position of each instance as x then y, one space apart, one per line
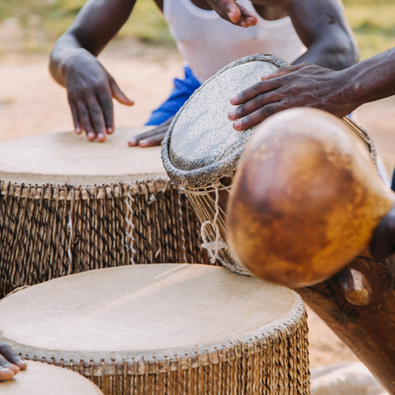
68 205
44 379
164 329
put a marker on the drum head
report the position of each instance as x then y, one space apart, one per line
68 159
44 379
144 310
201 145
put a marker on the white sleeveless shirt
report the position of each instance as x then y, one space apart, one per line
208 43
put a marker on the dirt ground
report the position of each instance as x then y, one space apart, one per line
31 103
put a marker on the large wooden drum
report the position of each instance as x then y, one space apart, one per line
68 205
44 379
164 329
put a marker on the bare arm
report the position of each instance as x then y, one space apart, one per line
73 64
307 85
322 27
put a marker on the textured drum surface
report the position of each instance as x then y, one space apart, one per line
44 379
68 205
164 326
201 148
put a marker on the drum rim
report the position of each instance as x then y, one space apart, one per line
213 172
140 360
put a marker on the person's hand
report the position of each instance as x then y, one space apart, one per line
10 363
233 12
152 137
304 85
90 90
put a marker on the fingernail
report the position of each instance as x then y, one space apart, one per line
232 114
237 125
244 24
233 100
143 143
78 130
132 142
110 130
91 136
22 364
101 137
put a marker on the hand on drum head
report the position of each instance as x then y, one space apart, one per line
232 12
304 85
152 137
90 90
10 363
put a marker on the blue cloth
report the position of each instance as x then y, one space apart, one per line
393 182
181 92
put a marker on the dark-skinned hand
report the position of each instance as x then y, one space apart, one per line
233 12
152 137
90 92
304 85
10 363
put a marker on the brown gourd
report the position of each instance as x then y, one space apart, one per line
306 198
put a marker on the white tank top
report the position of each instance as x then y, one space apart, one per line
208 43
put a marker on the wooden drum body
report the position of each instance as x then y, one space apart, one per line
43 379
164 329
68 205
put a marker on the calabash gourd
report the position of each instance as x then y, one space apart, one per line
306 198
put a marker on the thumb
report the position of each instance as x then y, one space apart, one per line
118 95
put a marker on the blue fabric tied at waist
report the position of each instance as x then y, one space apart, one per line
181 92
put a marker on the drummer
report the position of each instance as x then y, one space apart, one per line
10 363
206 44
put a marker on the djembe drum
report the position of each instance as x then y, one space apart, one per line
307 201
44 379
67 205
164 329
201 149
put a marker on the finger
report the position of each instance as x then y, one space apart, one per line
74 114
6 374
147 136
257 117
97 121
84 117
254 105
7 369
226 9
11 356
118 95
153 141
282 71
105 101
158 130
253 91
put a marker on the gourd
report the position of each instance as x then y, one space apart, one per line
305 200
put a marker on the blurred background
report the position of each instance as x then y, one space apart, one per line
143 60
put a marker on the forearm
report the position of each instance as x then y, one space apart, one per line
372 79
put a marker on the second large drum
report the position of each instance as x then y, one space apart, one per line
67 205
